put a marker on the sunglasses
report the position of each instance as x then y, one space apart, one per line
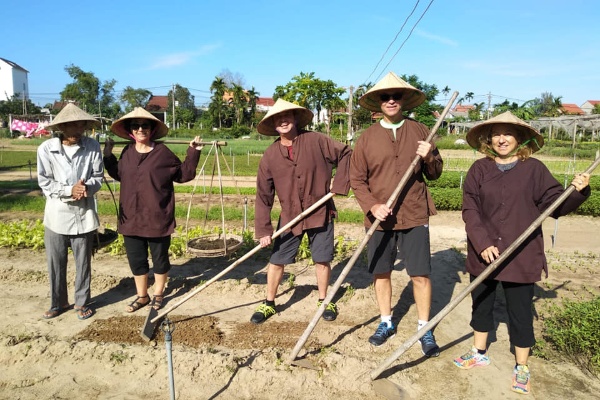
386 97
135 127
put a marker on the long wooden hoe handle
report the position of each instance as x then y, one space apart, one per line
287 226
217 143
331 292
486 272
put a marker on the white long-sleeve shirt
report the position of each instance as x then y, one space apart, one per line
57 173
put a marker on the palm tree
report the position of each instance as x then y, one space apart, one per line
252 98
218 87
446 90
469 96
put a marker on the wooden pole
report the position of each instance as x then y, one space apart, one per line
331 292
216 143
486 272
287 226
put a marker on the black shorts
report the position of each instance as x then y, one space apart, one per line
137 254
285 248
411 244
519 307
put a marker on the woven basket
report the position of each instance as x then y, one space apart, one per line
213 245
103 239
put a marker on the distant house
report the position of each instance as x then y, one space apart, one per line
264 104
589 105
13 80
159 107
571 109
462 110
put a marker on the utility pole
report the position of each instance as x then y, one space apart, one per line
350 135
489 104
173 95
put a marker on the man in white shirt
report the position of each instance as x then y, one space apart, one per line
70 172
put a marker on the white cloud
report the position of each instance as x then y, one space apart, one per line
436 38
177 59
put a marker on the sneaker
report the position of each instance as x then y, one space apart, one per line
472 359
382 334
520 381
262 313
428 345
331 311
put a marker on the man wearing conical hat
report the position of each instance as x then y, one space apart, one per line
70 173
297 168
382 155
504 193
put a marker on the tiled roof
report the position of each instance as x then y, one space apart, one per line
158 103
572 109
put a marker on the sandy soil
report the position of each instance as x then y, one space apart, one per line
217 353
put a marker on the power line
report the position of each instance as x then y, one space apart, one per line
392 42
408 37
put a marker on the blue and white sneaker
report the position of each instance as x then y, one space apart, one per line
428 345
382 334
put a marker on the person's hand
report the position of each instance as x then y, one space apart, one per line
196 143
580 181
265 241
424 150
79 191
381 211
490 254
108 147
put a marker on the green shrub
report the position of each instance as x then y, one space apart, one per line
574 329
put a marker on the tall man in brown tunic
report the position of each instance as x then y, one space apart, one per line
381 157
298 168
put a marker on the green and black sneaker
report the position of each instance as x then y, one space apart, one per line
262 313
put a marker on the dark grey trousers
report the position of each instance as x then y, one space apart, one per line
57 253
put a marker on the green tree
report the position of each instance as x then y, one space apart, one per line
596 109
185 110
89 93
240 103
546 105
216 106
252 100
134 98
16 106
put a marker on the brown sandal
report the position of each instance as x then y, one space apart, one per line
157 301
136 304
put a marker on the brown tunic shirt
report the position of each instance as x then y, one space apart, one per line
147 195
499 206
300 182
378 164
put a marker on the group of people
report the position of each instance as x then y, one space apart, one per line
504 193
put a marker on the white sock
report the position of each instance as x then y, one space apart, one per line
387 319
421 324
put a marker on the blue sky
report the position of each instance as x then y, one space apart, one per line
498 50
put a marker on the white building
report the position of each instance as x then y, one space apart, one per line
13 80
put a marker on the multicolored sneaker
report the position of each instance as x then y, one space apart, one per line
262 313
472 359
331 311
520 380
382 334
428 345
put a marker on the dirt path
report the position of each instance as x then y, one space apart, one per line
217 353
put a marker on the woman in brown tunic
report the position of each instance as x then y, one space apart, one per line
503 194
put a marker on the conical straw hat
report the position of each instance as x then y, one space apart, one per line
481 133
303 117
121 126
72 113
411 96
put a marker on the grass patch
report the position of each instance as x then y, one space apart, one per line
573 329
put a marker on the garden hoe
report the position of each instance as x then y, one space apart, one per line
386 389
331 292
